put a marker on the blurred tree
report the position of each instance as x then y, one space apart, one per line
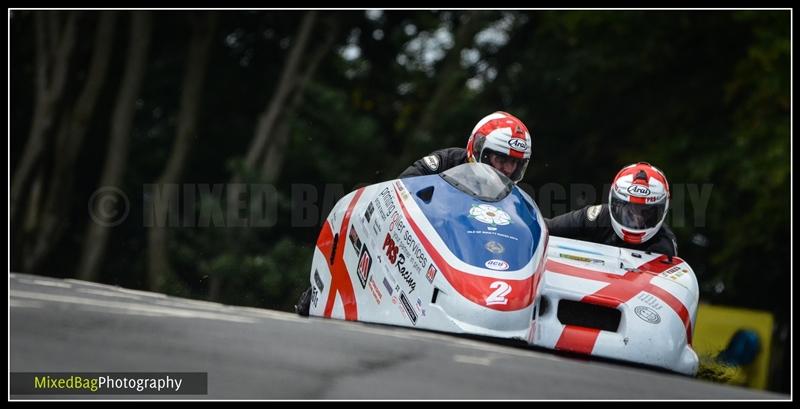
117 155
53 221
203 29
55 40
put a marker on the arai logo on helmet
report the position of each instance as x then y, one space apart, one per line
638 190
518 144
497 265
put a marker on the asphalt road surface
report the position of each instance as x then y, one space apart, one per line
76 326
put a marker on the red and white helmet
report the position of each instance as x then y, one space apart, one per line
638 202
501 140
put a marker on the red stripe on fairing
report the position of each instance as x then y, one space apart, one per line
660 264
577 339
676 306
474 287
340 276
621 289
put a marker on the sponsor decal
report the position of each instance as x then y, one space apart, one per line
385 203
402 189
431 274
674 273
364 265
412 315
354 238
593 212
398 259
490 215
493 233
495 247
388 286
650 300
376 293
671 270
418 257
580 258
369 211
396 222
419 307
518 144
408 243
502 289
318 280
647 314
497 265
375 228
405 273
314 296
432 162
638 191
391 248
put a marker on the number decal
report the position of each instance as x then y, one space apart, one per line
499 295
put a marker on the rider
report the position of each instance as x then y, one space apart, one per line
634 217
499 139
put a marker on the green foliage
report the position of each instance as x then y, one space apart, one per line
712 370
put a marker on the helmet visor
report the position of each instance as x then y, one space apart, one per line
510 166
637 216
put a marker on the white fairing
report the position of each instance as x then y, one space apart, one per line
657 310
385 273
389 293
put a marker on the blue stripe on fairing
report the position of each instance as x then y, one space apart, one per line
448 213
579 250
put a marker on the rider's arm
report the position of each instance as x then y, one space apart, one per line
569 225
436 162
664 242
418 168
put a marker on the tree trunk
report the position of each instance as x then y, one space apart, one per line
53 52
121 121
72 131
196 68
450 77
267 119
273 159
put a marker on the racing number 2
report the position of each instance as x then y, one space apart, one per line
499 295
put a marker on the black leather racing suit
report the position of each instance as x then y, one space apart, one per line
593 223
437 162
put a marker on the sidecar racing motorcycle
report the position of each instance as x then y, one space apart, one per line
467 252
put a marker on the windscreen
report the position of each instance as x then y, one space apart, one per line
479 180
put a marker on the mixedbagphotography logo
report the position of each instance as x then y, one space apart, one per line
109 383
238 205
109 206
